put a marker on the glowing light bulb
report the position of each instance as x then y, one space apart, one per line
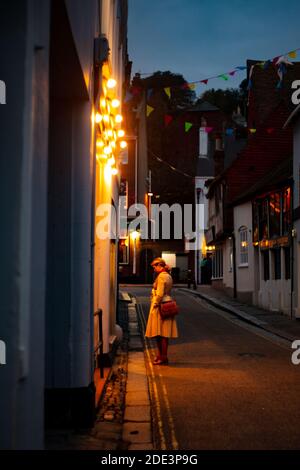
114 171
115 103
99 143
113 144
103 103
107 150
111 83
100 156
110 133
123 144
121 133
119 118
98 118
106 118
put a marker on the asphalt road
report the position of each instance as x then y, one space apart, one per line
225 387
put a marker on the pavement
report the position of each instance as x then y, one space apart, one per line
276 323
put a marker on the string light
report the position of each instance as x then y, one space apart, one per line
111 83
123 144
115 103
121 133
114 171
118 118
98 118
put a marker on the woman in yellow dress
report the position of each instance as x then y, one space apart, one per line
162 330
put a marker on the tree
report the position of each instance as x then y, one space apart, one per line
227 100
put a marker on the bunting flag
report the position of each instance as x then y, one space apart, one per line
187 126
149 93
270 130
149 110
241 67
204 81
208 129
168 91
168 119
223 76
192 86
229 132
232 73
252 131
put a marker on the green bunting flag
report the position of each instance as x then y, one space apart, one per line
187 126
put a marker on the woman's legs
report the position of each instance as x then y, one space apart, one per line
164 348
159 347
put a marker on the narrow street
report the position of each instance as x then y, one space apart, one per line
226 386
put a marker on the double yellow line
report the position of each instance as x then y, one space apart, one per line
155 398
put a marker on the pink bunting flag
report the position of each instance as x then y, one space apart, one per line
204 81
168 119
208 129
270 130
232 73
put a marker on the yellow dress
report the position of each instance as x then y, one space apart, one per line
161 292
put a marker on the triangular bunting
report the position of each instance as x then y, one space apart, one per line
229 131
241 68
187 126
192 86
168 119
223 76
149 93
270 130
208 129
232 73
204 81
168 91
252 131
149 110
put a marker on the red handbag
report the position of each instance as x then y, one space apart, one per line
168 309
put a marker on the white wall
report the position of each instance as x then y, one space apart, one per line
244 273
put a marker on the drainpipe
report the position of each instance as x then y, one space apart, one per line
234 265
292 250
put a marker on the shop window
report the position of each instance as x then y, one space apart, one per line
264 228
243 246
266 265
274 215
277 263
286 211
287 262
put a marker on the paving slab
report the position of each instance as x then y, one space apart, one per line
138 397
139 413
137 433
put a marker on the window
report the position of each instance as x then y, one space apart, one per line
217 263
274 214
203 142
277 263
243 246
230 255
124 251
266 265
264 227
286 211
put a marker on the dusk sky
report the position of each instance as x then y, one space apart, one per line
203 38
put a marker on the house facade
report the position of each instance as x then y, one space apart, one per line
57 273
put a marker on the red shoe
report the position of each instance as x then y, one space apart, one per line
160 362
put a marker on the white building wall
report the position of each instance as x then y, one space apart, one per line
244 271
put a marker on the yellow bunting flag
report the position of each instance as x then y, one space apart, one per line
252 131
192 86
168 91
149 110
293 54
